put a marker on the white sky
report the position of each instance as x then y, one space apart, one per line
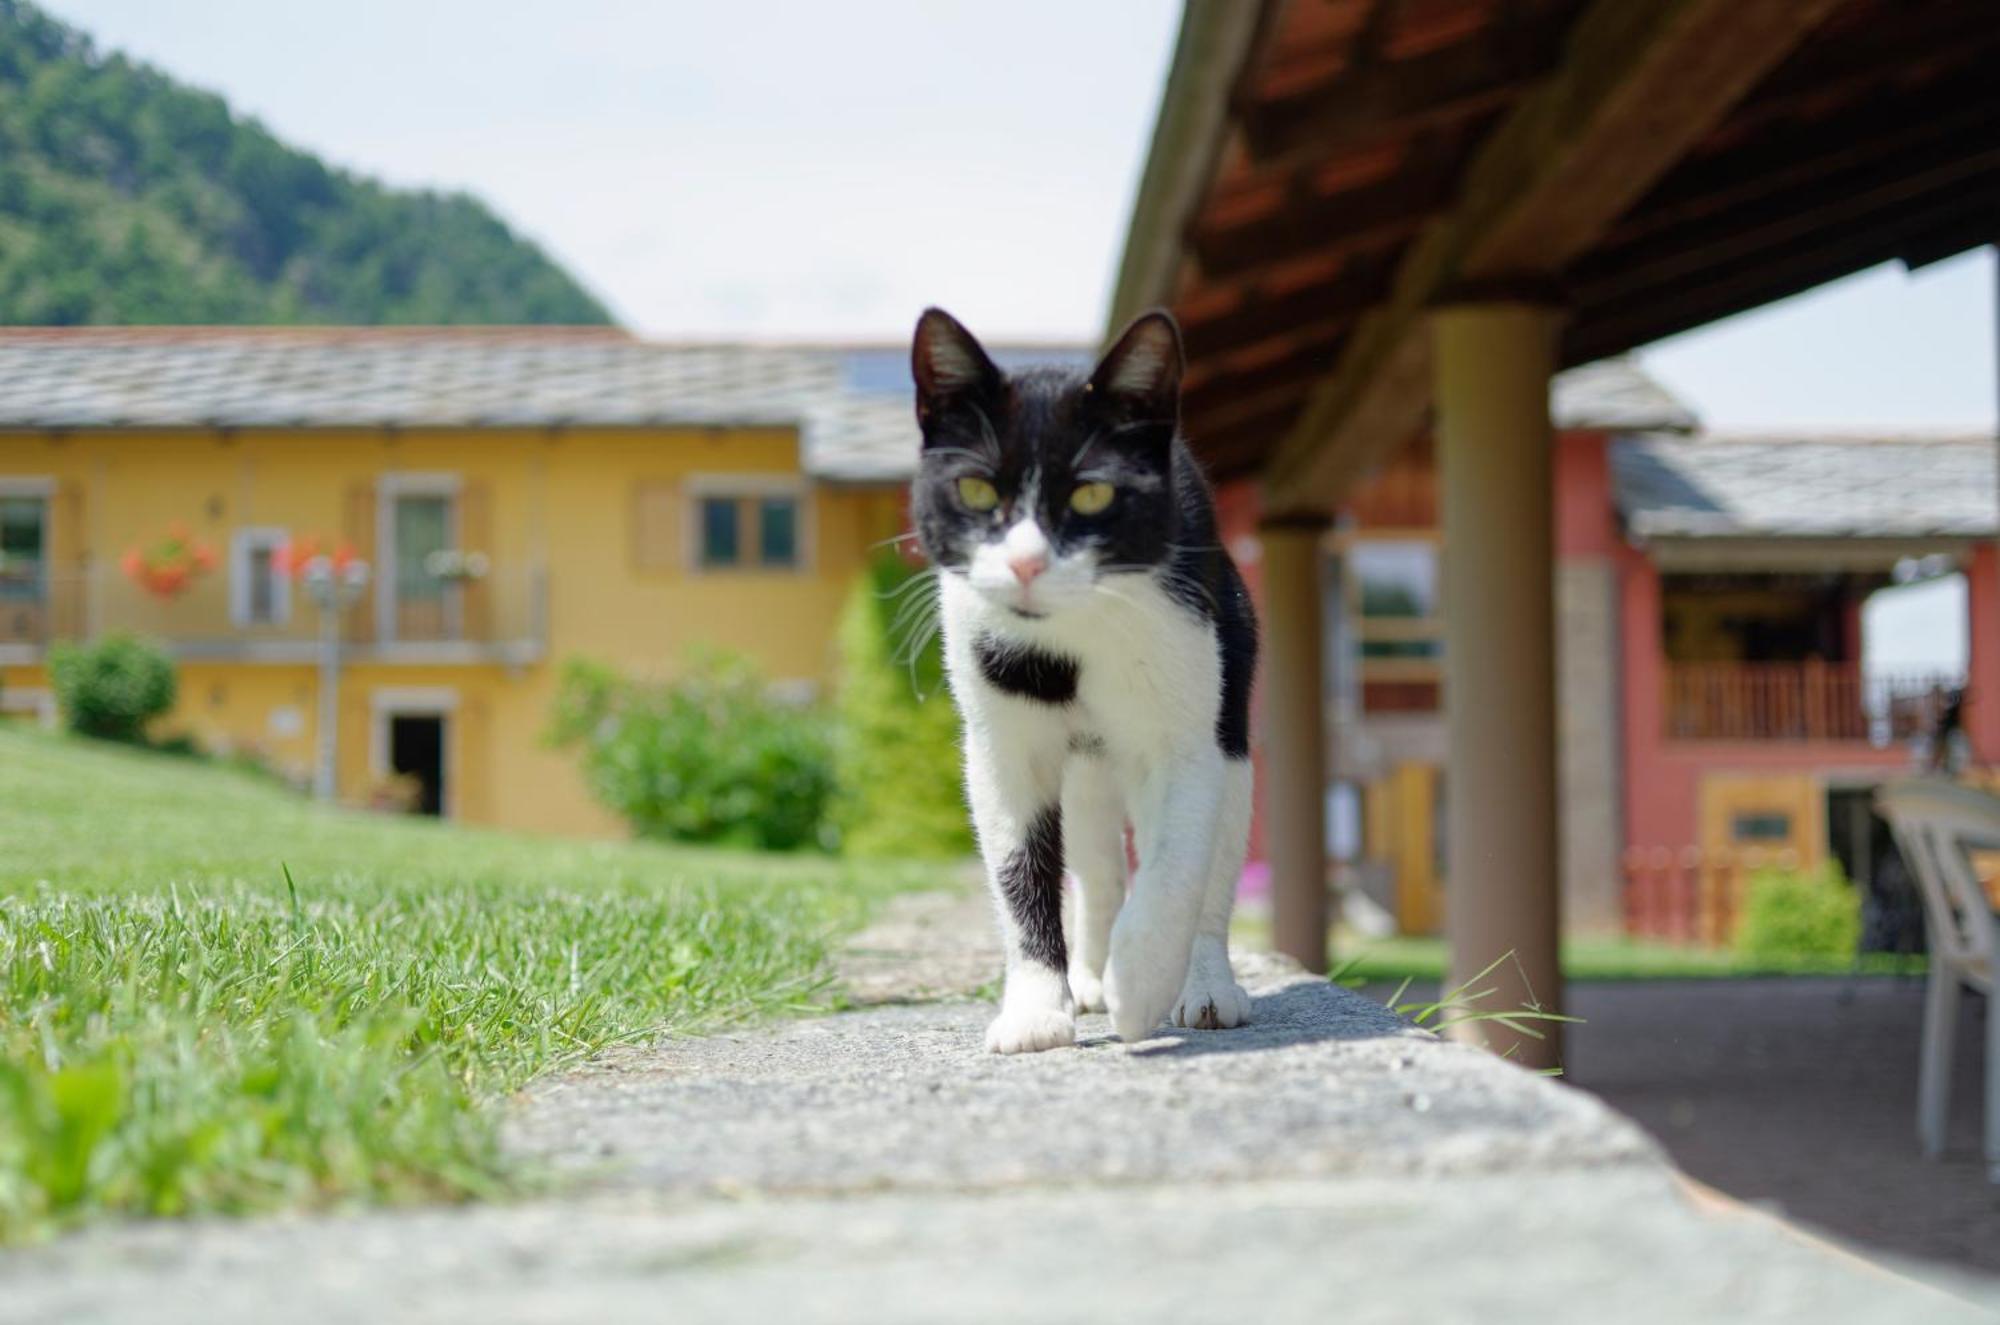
812 169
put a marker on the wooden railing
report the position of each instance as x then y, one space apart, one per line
1692 896
1806 701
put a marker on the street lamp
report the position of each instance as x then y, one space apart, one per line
334 583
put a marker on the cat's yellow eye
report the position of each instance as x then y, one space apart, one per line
978 494
1090 498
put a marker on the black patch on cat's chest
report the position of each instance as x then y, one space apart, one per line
1026 672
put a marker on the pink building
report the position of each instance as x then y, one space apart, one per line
1715 689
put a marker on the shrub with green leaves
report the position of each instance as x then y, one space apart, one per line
711 757
1800 915
900 766
114 688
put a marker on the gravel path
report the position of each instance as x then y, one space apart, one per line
1328 1163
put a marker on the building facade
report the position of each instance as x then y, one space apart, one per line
1714 698
521 496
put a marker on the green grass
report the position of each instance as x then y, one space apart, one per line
1423 959
183 1029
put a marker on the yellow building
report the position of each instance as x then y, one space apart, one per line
524 496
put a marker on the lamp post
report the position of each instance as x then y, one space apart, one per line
335 584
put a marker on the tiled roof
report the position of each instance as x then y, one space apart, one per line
1617 396
851 403
1808 487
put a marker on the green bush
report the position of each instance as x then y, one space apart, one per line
900 766
712 757
1798 915
112 689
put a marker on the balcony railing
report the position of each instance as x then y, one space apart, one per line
502 616
1807 701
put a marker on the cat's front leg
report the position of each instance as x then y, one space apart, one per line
1175 817
1211 1000
1093 807
1014 791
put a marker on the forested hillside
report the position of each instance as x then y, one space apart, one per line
126 197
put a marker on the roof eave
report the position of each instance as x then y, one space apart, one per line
1215 38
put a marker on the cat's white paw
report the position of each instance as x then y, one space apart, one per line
1210 1003
1030 1030
1087 989
1141 979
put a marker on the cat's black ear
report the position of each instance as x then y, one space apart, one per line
1140 375
949 365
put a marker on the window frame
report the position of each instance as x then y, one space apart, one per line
749 492
1428 628
389 487
42 490
242 544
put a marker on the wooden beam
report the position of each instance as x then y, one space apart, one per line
1659 261
1955 219
1313 309
1215 43
1393 97
1639 85
1308 221
1954 113
1290 371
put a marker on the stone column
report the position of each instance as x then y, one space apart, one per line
1493 363
1295 736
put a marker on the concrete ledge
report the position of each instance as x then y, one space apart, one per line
1329 1163
1322 1082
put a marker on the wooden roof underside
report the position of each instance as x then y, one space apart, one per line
1652 165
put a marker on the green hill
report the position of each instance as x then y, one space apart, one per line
126 197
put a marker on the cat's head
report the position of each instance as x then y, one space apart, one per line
1038 485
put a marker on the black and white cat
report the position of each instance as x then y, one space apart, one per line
1100 644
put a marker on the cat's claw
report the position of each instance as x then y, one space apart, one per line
1211 1005
1030 1030
1087 989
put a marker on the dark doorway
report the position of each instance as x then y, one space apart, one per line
416 749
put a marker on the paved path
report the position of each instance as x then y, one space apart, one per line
1801 1093
1327 1163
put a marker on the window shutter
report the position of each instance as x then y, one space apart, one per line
359 529
68 560
475 534
656 543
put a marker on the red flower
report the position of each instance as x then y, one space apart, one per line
168 567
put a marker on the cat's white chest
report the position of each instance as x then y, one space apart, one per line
1147 670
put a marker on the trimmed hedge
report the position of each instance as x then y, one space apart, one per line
1812 914
113 689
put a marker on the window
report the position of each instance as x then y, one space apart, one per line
420 595
721 537
1760 826
423 530
1396 602
777 531
24 532
753 530
259 595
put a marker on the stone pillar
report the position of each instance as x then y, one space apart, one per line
1590 778
1493 363
1295 761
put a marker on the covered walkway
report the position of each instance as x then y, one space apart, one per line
1376 218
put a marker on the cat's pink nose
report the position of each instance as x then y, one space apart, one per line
1026 566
